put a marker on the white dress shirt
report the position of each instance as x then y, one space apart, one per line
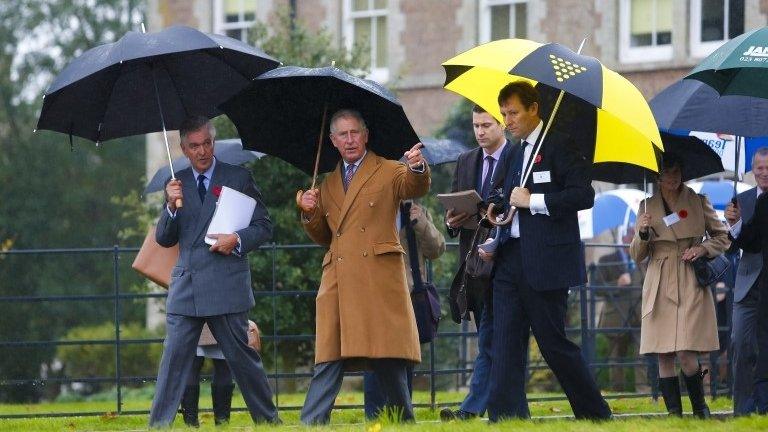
537 204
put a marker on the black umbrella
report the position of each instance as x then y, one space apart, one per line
229 151
698 158
285 113
148 82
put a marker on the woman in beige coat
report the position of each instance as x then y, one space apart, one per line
678 314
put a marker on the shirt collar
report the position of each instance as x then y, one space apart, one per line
356 164
759 191
208 173
533 136
497 154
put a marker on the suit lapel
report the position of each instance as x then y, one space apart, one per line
367 168
749 204
336 186
471 177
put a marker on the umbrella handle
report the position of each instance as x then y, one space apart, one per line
506 221
299 193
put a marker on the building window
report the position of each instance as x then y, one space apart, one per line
645 30
713 22
366 25
503 19
234 18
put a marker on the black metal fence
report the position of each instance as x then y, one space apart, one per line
447 362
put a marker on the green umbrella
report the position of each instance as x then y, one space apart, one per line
739 67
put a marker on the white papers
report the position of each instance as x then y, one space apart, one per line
233 212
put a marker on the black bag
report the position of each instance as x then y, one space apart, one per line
472 280
710 270
424 297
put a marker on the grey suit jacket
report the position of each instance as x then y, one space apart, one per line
750 264
205 283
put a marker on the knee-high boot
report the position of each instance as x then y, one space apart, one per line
189 405
695 386
222 402
670 390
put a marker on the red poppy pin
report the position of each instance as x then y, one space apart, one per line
538 159
216 191
683 213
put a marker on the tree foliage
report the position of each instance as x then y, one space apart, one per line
54 196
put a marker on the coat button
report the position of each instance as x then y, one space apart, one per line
362 229
338 234
365 254
338 259
327 214
370 204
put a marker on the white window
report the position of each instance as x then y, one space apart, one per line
713 22
234 18
645 30
365 23
503 19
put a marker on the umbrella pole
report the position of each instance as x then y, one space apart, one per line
300 192
736 167
179 203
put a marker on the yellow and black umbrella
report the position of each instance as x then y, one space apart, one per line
624 130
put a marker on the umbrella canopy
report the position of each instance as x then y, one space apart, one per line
692 105
440 151
119 89
612 209
229 151
738 67
719 193
698 158
625 133
281 112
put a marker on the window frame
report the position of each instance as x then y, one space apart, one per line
484 17
377 73
221 27
701 49
630 54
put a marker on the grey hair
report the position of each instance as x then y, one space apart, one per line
347 113
762 151
194 124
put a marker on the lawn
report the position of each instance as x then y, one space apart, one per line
549 416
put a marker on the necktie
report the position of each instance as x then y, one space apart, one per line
201 187
488 176
348 176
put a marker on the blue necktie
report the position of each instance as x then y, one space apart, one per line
201 187
488 177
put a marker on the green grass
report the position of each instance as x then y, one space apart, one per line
352 419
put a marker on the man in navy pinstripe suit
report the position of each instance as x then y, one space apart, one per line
539 257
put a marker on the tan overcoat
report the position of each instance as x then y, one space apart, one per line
363 305
677 313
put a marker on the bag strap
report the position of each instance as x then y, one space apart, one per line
413 250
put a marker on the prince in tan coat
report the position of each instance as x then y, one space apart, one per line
364 311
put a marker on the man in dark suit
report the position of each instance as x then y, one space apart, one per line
538 258
474 170
746 295
209 284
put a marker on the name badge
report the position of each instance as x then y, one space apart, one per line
672 219
541 177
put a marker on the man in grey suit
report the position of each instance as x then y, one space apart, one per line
209 283
744 341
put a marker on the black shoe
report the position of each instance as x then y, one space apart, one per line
695 386
670 390
446 414
222 402
189 405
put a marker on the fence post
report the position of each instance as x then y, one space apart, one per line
118 374
274 323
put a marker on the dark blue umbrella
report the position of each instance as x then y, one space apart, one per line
285 113
229 151
692 105
439 151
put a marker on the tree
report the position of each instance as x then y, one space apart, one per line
54 196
